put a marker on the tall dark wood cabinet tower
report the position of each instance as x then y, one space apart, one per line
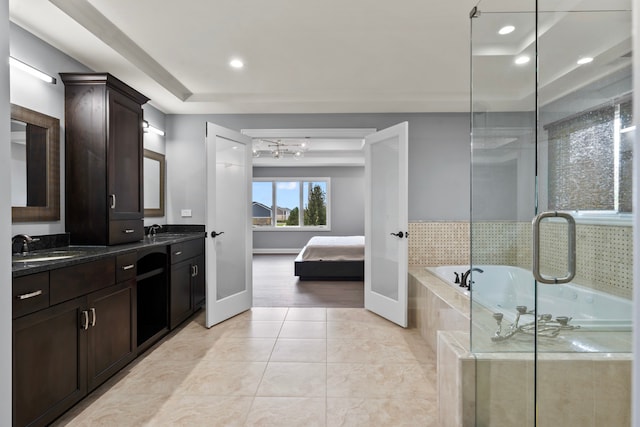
104 154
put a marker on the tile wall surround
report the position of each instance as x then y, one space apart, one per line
604 252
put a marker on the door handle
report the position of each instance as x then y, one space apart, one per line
571 251
400 234
113 201
214 234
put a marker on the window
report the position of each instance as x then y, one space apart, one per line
590 158
279 202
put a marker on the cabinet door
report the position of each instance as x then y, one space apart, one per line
49 375
124 164
180 293
198 282
112 333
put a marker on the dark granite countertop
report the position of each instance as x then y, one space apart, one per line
70 255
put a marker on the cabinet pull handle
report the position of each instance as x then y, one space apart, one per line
177 253
194 272
128 230
30 295
113 201
93 316
196 267
85 320
128 267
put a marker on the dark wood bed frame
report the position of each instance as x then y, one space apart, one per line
328 270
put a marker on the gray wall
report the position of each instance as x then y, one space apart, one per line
46 98
5 225
347 205
43 97
438 157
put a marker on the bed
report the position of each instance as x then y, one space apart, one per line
331 258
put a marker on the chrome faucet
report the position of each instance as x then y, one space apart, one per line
20 243
154 229
464 281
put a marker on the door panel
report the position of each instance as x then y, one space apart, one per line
386 224
229 242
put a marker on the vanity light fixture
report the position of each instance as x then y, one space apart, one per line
522 59
33 71
146 127
507 29
584 60
236 63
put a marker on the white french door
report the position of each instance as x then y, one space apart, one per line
386 223
228 224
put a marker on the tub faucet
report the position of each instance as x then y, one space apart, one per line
464 281
20 243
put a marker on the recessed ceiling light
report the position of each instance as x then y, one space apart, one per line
507 29
584 60
522 59
236 63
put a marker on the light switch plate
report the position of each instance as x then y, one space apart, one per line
185 213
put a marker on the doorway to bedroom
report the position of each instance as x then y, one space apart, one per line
348 204
306 183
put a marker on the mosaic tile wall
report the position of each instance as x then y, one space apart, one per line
604 256
604 253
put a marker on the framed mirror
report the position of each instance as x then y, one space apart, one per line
154 177
35 166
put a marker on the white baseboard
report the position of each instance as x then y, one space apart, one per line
273 251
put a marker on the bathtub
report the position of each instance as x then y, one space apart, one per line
501 288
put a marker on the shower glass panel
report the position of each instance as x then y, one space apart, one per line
551 136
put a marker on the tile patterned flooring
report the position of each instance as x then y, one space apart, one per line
274 366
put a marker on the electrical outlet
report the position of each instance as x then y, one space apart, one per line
185 213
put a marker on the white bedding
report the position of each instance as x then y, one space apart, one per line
334 248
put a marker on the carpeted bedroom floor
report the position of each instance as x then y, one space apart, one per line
274 285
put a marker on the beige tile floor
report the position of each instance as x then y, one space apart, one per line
274 367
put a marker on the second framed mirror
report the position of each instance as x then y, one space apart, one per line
154 179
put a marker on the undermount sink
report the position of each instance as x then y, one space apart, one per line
46 256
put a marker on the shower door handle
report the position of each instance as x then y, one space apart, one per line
571 253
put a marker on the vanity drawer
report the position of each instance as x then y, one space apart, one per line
125 231
126 266
71 282
30 293
185 250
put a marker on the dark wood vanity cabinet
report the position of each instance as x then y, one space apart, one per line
104 155
49 376
86 334
187 284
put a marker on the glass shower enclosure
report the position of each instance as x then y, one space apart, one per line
551 227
